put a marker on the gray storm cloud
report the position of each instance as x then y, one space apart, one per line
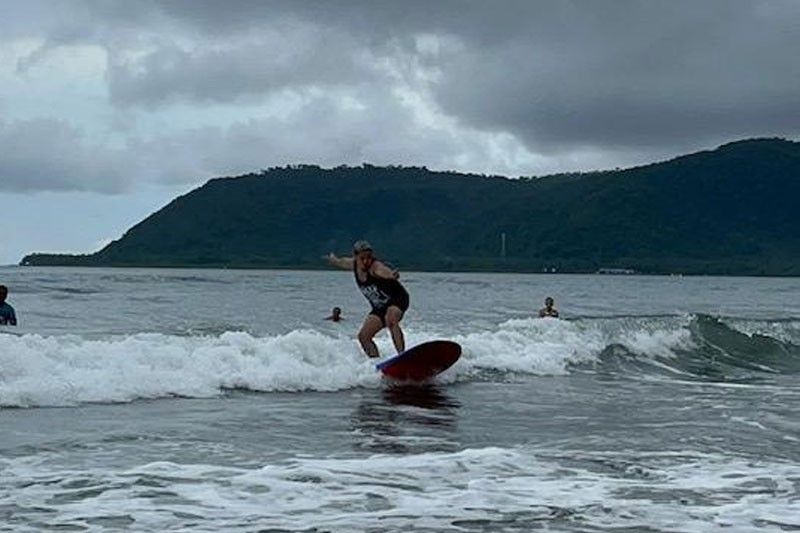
381 131
555 74
51 155
229 68
519 87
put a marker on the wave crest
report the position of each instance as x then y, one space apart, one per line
66 370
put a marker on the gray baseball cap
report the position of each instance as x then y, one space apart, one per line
361 246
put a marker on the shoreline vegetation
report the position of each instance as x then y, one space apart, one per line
409 270
325 268
728 211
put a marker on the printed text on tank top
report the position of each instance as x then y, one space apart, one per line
376 290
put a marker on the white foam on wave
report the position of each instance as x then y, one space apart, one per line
550 347
493 487
37 370
533 346
657 342
65 370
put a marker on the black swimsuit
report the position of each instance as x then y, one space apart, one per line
382 293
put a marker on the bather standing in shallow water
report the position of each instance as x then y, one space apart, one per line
548 310
7 315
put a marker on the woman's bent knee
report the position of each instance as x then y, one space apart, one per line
393 318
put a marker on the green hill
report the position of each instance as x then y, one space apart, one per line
732 210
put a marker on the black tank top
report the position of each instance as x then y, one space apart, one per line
380 292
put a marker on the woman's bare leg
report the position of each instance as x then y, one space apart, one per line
393 317
372 325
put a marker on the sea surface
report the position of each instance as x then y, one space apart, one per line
221 400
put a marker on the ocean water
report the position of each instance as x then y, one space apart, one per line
218 400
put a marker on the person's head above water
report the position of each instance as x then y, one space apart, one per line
336 314
3 293
548 309
362 253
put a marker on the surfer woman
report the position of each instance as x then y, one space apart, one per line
378 283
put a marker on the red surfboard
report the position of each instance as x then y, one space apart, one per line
422 361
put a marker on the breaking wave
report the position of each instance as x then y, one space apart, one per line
63 370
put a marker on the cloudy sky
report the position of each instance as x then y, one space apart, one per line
109 109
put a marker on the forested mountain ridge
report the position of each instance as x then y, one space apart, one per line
732 210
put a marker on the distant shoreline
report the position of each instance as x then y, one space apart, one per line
323 268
